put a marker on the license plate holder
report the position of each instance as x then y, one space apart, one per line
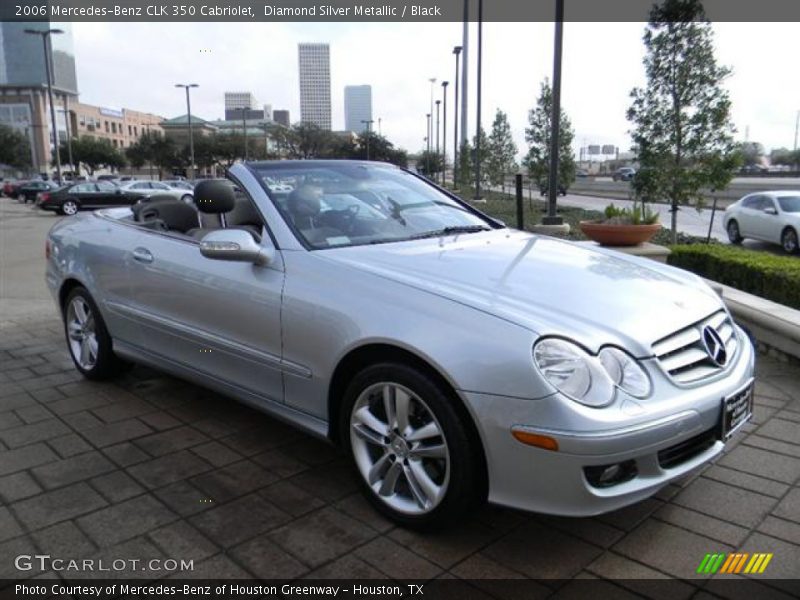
737 409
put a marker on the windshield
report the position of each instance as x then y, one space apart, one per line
346 204
789 203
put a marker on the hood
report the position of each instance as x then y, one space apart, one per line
552 287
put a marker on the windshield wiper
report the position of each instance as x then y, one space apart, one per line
453 229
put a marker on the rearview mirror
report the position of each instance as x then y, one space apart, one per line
236 245
771 210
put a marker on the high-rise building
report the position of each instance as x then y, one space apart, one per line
268 112
314 62
23 84
357 107
239 100
281 117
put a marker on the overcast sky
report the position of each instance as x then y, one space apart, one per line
135 65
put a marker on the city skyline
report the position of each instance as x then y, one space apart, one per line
602 62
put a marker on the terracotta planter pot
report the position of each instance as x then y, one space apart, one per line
619 235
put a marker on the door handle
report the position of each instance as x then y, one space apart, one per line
142 255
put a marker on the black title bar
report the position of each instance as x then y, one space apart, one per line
378 10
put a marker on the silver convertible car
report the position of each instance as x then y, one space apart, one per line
453 359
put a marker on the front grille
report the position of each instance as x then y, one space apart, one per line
684 356
686 450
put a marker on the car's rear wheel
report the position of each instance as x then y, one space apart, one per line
21 198
188 198
89 343
69 208
734 235
411 447
789 240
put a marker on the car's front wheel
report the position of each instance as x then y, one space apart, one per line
414 454
187 198
734 235
89 343
21 198
789 240
69 208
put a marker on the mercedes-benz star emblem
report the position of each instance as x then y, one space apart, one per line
714 346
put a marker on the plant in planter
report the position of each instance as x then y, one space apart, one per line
623 226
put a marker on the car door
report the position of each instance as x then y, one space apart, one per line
218 318
84 193
770 220
748 216
108 194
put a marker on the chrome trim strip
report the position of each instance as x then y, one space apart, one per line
207 338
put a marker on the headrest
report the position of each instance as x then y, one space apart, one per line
176 215
305 201
214 196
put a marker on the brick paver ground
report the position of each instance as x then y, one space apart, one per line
152 467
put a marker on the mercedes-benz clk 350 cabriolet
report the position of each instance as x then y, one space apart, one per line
452 358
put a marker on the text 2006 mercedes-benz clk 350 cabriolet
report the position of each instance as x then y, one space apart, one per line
452 358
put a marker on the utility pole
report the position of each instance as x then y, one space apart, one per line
368 123
552 188
46 33
464 72
186 86
438 104
457 52
444 131
478 107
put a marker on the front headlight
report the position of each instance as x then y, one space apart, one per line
625 372
574 372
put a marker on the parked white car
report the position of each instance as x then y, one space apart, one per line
152 188
767 216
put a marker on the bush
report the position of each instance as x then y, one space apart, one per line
775 278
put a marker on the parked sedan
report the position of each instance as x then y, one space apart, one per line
156 188
767 216
11 186
69 199
623 174
29 191
453 359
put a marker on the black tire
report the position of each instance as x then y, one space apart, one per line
465 484
106 364
789 240
734 235
187 198
69 207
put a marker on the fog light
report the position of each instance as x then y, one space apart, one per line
609 475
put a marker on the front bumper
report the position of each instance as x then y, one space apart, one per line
555 482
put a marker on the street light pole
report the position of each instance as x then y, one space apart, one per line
796 128
428 150
552 192
368 123
46 33
457 52
67 126
430 127
444 130
438 104
244 130
478 106
186 86
464 73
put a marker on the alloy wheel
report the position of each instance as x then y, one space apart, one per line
69 207
400 448
789 240
81 333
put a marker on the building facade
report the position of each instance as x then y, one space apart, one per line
24 104
120 127
281 117
314 65
239 100
357 107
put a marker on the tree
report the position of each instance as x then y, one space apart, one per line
750 153
15 149
466 173
93 154
302 140
481 158
502 151
429 163
380 149
681 120
537 161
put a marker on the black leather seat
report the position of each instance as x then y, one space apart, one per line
245 216
213 198
165 213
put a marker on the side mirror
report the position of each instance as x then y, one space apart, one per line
771 210
236 245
